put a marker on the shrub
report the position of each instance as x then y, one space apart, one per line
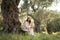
53 26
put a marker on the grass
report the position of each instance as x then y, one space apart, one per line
38 36
41 36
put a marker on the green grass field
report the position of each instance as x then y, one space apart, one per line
41 36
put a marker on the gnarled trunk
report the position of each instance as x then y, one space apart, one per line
37 24
10 15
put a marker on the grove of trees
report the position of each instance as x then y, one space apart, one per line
37 9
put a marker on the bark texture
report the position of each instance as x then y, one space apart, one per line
10 15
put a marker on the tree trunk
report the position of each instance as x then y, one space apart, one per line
37 24
10 15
